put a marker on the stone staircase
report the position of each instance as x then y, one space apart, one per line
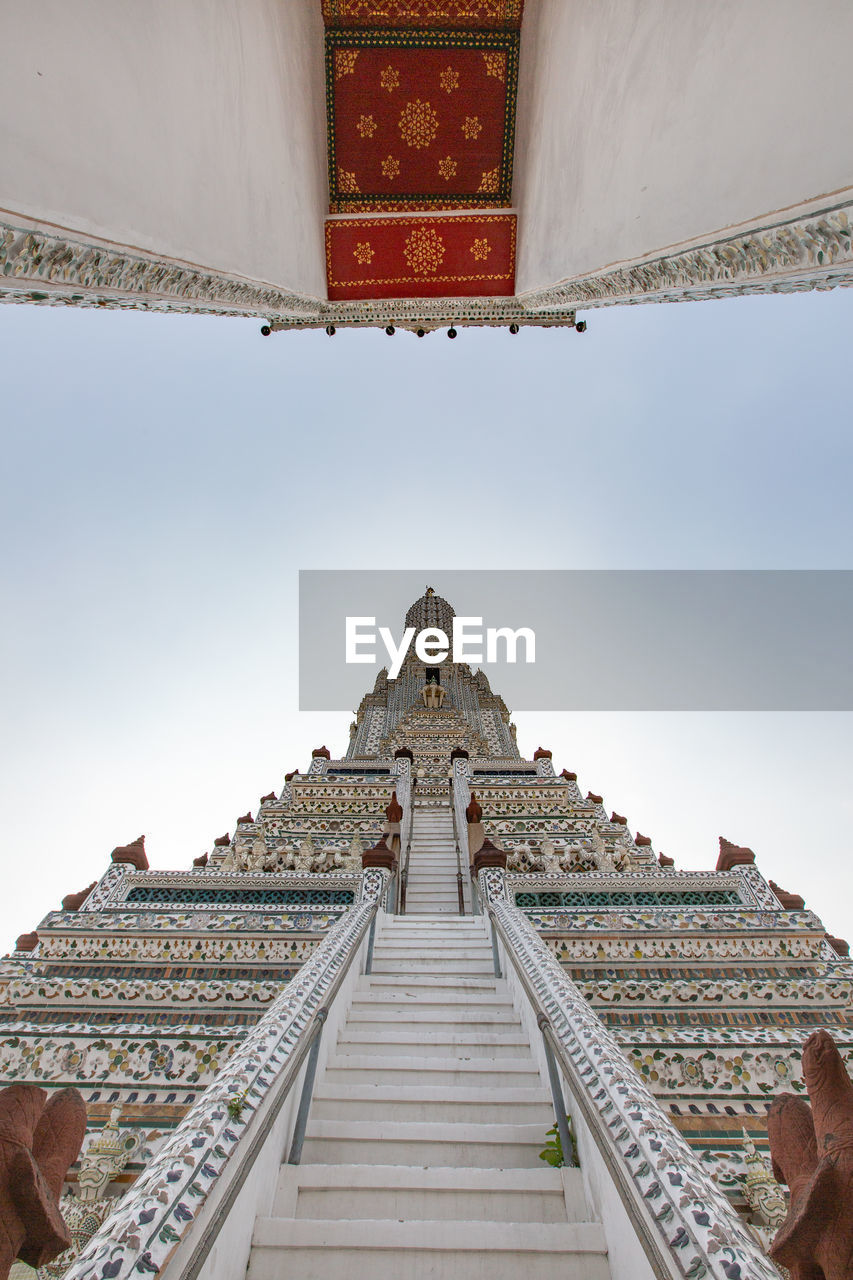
421 1154
432 885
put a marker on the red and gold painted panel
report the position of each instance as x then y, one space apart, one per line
447 15
462 256
420 120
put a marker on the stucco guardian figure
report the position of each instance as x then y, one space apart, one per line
812 1151
39 1139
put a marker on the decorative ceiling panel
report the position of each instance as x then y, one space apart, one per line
448 15
405 257
420 119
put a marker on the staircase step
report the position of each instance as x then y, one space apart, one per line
432 1105
407 1142
355 1068
319 1249
411 1194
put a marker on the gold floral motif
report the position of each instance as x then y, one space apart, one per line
495 65
447 168
363 253
418 124
471 127
491 181
424 250
390 78
449 80
347 182
481 249
390 167
366 126
345 60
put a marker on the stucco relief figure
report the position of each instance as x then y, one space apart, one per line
39 1139
812 1151
433 695
85 1212
601 855
763 1194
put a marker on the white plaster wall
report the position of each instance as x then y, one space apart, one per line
190 128
646 123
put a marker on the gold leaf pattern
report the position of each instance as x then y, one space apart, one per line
491 181
345 60
495 65
363 253
390 167
389 78
447 168
347 182
471 127
424 250
481 249
449 80
366 126
418 124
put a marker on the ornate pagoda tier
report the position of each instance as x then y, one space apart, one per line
141 989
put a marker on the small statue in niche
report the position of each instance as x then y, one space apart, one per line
433 695
550 857
812 1152
40 1138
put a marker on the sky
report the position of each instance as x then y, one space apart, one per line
166 477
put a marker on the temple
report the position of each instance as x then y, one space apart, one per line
428 1009
417 164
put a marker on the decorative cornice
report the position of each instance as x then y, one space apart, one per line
40 266
813 252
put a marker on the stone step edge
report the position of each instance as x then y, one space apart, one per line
435 1236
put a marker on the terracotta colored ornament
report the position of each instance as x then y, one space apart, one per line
812 1152
569 776
617 817
642 841
200 862
458 753
733 855
474 812
839 946
39 1139
74 901
542 753
664 861
379 856
269 798
488 855
27 941
247 817
294 773
394 810
404 753
790 901
590 795
221 841
321 752
133 853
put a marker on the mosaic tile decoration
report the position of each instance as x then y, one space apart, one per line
447 15
409 257
419 119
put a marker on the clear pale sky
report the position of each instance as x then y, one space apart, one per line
165 477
